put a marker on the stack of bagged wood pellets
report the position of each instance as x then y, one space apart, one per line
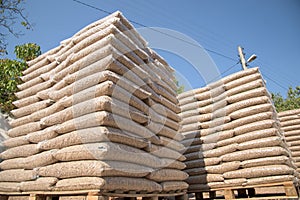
232 134
290 122
97 112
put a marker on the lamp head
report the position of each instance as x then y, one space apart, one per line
253 57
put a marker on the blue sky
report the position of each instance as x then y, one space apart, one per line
268 28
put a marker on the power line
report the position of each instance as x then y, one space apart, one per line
206 34
182 22
88 5
275 82
183 40
174 37
272 80
283 76
222 73
227 70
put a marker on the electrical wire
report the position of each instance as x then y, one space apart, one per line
206 34
275 82
283 76
272 80
91 6
185 41
222 73
202 34
174 37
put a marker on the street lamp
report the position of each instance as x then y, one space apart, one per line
242 58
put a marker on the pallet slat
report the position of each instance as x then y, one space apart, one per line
92 195
229 194
290 190
248 192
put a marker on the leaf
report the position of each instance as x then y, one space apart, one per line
292 101
10 70
27 51
25 24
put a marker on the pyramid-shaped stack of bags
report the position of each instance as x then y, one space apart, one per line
290 122
232 134
97 112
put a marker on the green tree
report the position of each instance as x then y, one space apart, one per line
180 88
27 51
11 13
292 101
11 70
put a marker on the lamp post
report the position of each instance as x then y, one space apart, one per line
243 61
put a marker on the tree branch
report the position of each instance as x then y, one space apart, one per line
11 12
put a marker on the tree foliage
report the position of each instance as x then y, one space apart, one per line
11 12
11 70
180 88
9 79
292 101
27 51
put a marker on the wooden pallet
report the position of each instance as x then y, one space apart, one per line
91 195
249 192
